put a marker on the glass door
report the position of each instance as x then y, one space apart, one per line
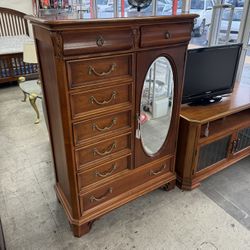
230 17
244 71
219 21
204 8
245 77
227 23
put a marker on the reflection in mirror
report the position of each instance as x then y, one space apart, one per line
156 105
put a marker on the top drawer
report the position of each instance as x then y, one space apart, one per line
100 70
153 35
97 41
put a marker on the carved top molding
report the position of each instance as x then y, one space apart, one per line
57 41
136 36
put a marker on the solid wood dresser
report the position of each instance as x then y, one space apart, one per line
93 73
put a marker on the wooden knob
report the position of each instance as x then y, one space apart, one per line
99 41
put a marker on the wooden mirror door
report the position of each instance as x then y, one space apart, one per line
158 97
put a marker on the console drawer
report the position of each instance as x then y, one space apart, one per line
102 150
103 172
163 34
101 126
100 100
101 70
97 41
133 179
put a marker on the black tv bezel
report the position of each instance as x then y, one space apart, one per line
215 92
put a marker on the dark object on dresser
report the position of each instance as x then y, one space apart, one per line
212 137
139 4
93 72
200 86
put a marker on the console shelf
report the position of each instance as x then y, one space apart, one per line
212 137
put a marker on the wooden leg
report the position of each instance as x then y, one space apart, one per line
79 231
169 186
58 200
187 187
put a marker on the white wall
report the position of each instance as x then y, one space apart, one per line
23 5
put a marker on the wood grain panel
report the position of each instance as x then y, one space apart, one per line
163 34
98 100
101 127
113 189
103 172
239 100
102 150
103 69
97 41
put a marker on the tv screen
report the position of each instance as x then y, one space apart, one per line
210 72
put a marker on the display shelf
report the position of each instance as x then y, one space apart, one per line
212 138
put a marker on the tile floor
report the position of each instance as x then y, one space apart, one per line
32 218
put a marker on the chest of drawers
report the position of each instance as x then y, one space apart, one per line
93 73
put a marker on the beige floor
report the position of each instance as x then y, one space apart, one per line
32 218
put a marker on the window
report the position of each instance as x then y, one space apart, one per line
197 4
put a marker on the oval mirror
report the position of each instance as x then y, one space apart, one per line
156 105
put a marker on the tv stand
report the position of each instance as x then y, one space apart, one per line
212 138
206 101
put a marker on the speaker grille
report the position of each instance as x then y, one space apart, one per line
243 139
213 152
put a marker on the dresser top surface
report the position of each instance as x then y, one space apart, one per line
239 100
76 18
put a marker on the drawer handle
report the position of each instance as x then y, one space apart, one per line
167 35
105 152
95 126
92 70
93 198
93 99
234 146
152 172
106 173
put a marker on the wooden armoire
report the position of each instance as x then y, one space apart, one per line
112 89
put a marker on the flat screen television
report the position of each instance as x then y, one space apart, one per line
210 72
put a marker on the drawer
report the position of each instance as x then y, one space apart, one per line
97 41
101 126
102 150
162 34
101 100
104 69
133 179
103 172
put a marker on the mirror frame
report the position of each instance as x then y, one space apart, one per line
172 106
175 81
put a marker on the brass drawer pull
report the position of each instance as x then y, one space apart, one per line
106 173
167 35
234 145
93 198
105 152
95 126
152 172
93 99
92 70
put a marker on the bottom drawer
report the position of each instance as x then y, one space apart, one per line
133 179
103 172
